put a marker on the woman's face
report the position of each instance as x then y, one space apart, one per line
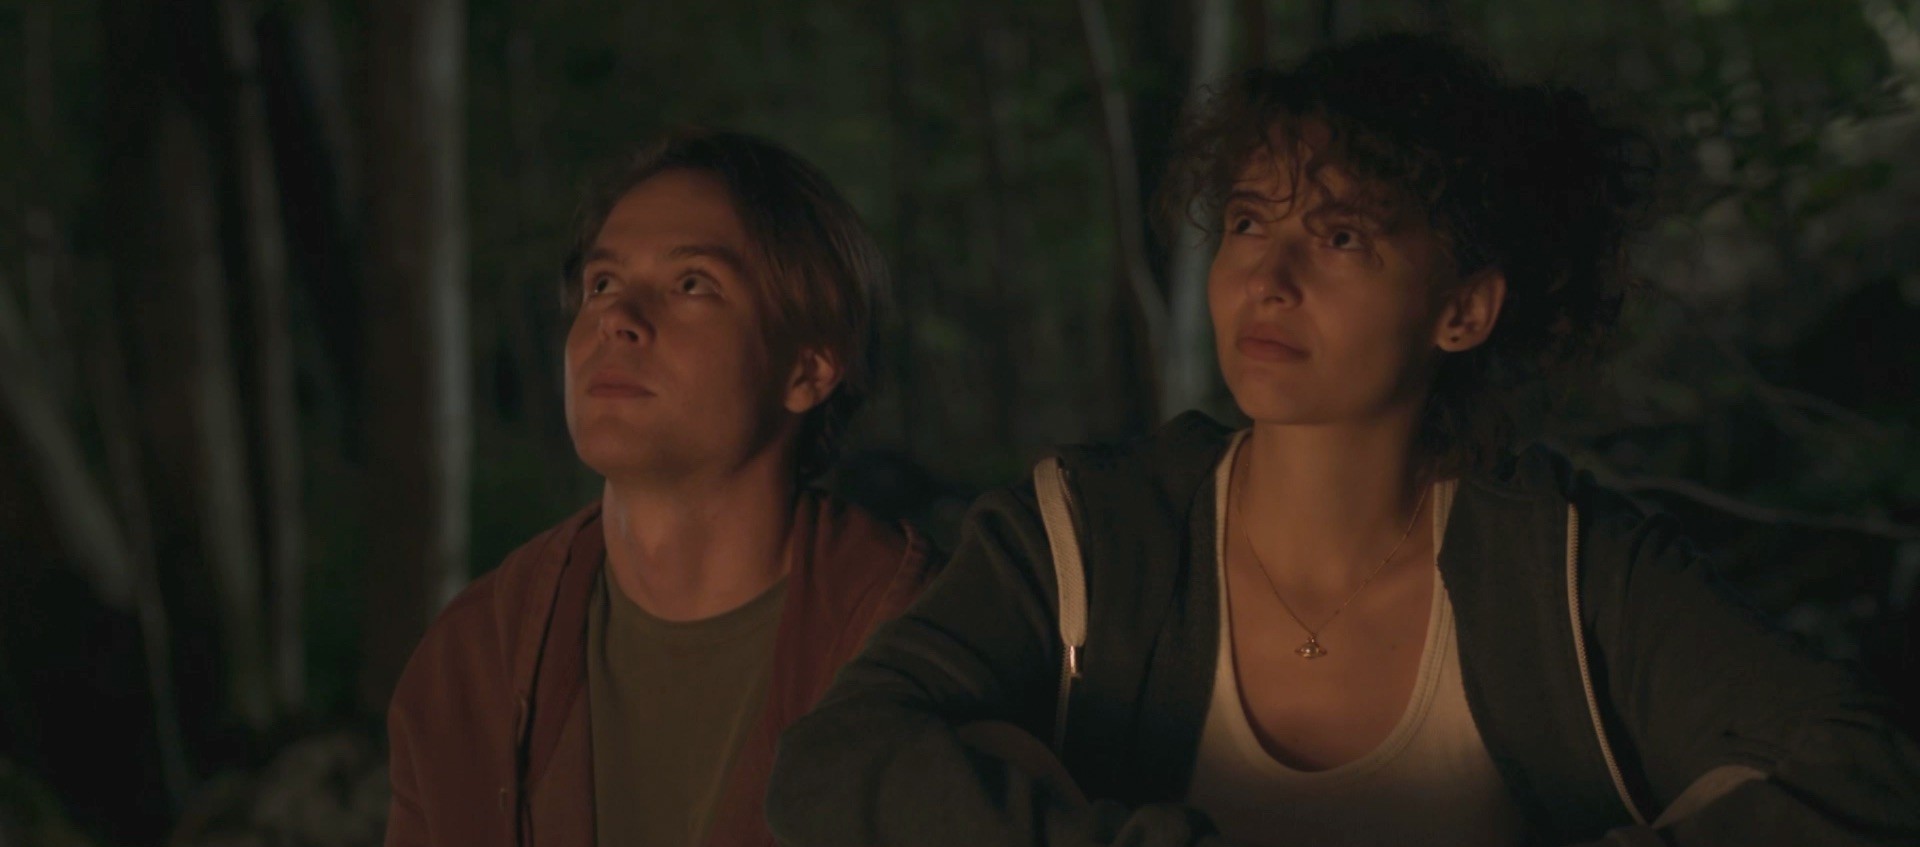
1324 312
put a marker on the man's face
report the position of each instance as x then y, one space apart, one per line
668 372
1322 312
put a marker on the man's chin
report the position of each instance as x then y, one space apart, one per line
629 455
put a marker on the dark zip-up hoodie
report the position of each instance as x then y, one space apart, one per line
1665 699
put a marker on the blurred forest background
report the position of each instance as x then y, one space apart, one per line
280 338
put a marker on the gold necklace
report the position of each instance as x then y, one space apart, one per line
1312 649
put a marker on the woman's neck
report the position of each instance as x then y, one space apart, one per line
1323 506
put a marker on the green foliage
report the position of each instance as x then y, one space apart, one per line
1829 189
31 815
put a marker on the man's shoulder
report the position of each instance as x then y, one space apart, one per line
859 562
470 642
851 537
495 597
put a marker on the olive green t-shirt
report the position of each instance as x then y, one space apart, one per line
669 704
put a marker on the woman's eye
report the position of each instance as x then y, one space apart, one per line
697 285
1346 239
1240 223
599 284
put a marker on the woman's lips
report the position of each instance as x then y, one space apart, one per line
1268 350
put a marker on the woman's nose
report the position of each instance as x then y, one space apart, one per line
1274 277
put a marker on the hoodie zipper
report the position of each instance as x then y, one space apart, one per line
1586 674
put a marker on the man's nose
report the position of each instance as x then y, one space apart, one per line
625 319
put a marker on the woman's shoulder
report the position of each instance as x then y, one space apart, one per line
1166 466
1122 496
1541 490
1541 474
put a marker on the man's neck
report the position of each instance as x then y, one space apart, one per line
695 547
1324 505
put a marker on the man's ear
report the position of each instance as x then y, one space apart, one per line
816 373
1468 313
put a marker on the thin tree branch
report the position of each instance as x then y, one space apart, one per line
1787 405
111 406
1728 504
78 505
121 573
1722 502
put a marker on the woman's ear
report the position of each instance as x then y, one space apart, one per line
816 373
1468 313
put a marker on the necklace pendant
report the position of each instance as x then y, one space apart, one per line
1311 649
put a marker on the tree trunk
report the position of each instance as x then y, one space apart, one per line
317 177
169 271
995 46
420 434
45 311
1331 21
1143 312
1253 33
188 241
532 322
1189 364
909 272
276 418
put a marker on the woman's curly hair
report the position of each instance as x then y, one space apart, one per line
1529 179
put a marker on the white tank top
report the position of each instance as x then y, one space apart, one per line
1430 782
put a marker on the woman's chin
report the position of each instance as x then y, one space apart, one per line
1265 406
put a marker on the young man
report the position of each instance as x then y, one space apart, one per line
1355 622
621 679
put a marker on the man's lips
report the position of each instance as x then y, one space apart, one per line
1267 348
615 386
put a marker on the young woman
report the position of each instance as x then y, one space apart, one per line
1355 622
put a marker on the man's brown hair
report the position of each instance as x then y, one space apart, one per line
824 274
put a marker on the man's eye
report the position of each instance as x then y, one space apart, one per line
1346 239
1240 223
599 284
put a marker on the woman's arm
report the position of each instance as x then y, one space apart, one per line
881 761
1705 692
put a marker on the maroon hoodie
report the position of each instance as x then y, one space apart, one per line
489 727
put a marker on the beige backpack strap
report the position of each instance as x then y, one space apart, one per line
1050 485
